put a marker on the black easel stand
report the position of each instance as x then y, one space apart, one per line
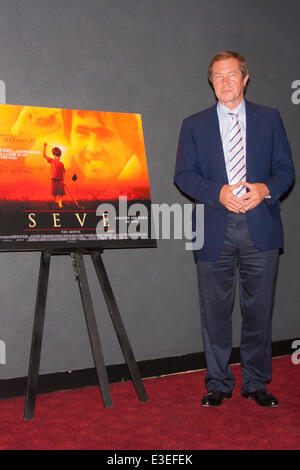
38 326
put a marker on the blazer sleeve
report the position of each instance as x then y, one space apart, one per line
187 175
282 171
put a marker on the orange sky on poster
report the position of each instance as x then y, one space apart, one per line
103 153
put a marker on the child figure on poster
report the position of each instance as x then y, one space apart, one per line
57 174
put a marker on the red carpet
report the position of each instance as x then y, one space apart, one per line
171 419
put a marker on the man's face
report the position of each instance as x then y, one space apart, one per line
97 148
228 82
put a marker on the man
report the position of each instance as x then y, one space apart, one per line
235 159
104 146
57 174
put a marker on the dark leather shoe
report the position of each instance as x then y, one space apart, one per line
262 398
215 398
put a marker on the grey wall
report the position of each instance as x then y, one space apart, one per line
149 57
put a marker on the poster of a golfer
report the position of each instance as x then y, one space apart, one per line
58 165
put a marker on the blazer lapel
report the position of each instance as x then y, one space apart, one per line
214 137
253 130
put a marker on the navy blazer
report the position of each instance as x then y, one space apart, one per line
200 173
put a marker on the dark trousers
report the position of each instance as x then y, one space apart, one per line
256 272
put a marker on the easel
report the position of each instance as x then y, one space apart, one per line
38 327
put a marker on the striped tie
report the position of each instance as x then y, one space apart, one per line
237 160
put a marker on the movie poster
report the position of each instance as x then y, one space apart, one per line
72 178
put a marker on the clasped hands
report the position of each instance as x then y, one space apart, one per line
257 192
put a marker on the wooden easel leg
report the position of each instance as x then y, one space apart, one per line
92 329
37 336
119 326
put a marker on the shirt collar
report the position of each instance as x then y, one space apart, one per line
223 110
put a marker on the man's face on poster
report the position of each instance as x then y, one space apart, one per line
97 147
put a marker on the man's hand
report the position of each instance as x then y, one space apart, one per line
229 200
257 192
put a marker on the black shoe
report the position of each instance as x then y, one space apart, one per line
215 398
262 398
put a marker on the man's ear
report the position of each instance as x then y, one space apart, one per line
245 81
